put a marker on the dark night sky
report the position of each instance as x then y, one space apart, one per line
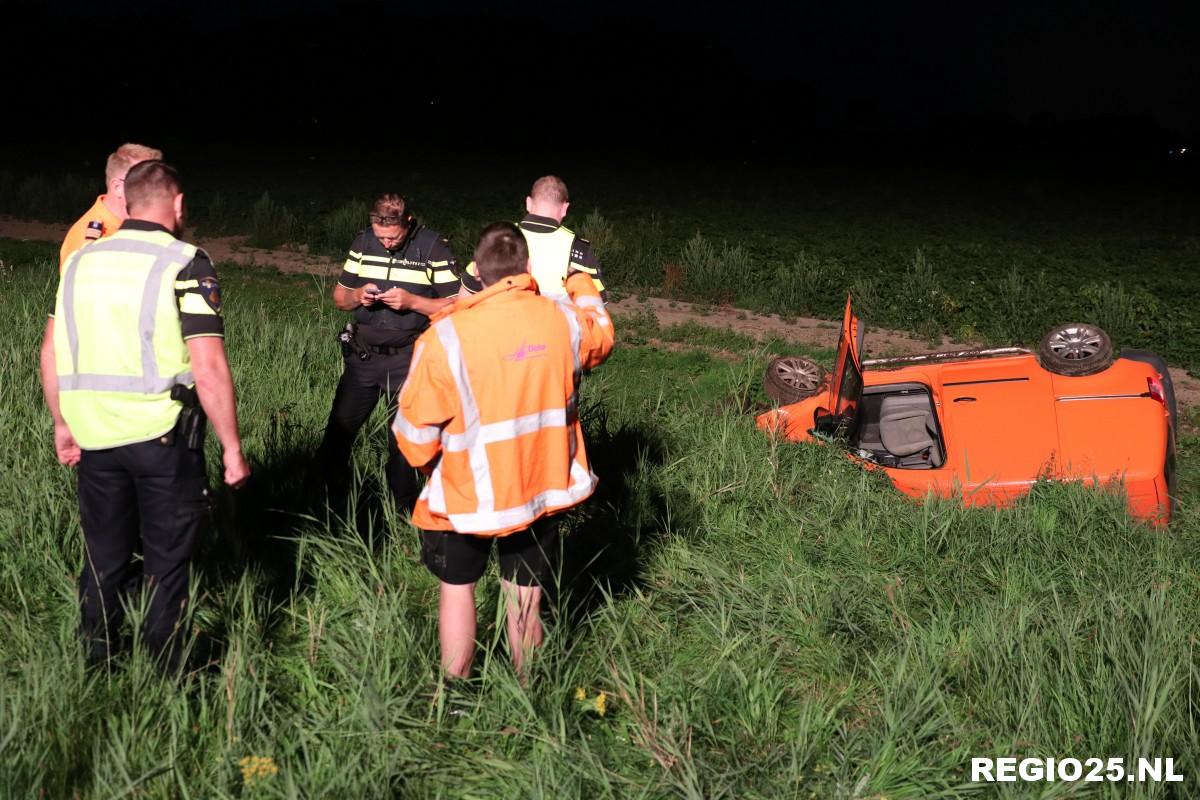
623 74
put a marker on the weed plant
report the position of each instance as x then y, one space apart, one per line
338 228
736 616
634 258
272 224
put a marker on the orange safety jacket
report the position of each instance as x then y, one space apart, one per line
80 234
489 406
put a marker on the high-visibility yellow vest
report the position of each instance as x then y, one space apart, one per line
118 346
550 256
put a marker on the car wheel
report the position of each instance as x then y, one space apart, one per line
791 378
1077 348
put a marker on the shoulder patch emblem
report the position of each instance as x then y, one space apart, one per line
210 290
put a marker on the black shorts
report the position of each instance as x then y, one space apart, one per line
526 557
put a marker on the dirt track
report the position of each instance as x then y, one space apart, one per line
805 330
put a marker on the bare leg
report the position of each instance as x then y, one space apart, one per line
456 627
522 606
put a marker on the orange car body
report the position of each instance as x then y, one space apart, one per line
997 424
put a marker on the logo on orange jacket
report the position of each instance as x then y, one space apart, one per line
526 351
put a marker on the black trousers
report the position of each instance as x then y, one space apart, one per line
152 494
362 385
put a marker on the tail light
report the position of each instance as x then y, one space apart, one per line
1154 388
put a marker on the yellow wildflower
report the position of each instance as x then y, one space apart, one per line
601 703
580 694
257 768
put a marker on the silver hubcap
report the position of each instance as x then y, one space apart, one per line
799 373
1075 342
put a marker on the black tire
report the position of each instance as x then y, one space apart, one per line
1076 349
790 379
1155 360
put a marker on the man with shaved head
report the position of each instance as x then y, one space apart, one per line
132 359
554 251
108 212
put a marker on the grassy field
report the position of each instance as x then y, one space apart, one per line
1000 258
736 617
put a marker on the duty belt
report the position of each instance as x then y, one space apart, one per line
387 350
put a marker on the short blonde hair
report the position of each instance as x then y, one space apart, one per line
549 188
125 157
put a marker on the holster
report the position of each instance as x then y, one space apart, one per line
192 420
348 339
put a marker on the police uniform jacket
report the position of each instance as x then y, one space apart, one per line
423 265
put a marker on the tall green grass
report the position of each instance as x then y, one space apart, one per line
935 264
764 620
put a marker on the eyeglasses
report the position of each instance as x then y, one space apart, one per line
381 219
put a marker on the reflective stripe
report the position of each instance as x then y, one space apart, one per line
588 301
68 311
173 252
583 484
184 285
397 274
192 303
377 259
445 276
350 266
357 256
423 435
476 450
435 491
132 384
576 339
576 377
409 275
426 434
130 246
371 271
507 429
437 264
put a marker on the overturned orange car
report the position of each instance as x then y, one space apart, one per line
987 424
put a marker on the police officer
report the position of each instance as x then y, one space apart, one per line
105 216
397 274
133 357
554 250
